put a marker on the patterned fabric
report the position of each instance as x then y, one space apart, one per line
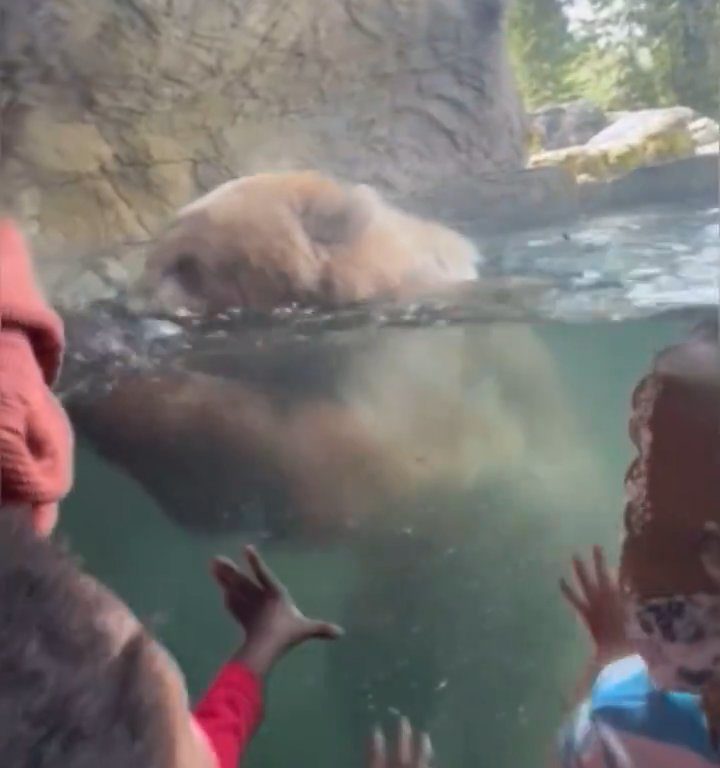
679 638
628 723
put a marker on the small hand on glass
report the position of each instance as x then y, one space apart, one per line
265 609
596 598
410 751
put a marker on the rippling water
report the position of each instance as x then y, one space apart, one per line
450 598
622 265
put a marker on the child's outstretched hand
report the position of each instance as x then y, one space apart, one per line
597 600
263 606
409 752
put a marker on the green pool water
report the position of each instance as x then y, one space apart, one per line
463 630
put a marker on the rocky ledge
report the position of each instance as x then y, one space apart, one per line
594 146
115 113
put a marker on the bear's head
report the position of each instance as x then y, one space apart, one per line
272 240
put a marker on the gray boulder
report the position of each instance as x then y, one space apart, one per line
568 125
635 127
114 113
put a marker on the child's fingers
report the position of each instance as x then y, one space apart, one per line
232 580
324 630
582 577
601 572
378 749
425 752
225 571
405 745
573 598
262 571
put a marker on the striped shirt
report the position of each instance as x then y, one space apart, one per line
627 723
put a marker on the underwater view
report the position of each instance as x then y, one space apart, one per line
518 433
371 287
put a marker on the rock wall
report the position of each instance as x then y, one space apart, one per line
114 113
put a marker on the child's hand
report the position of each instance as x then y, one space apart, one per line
409 752
272 622
597 600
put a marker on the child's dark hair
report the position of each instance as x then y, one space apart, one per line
66 700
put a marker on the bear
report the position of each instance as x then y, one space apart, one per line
316 436
396 413
269 240
393 444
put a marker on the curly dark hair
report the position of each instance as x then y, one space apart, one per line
66 699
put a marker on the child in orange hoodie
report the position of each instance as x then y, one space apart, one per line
81 680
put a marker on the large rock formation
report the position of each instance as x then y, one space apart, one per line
116 112
628 141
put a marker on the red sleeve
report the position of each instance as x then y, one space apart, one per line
230 712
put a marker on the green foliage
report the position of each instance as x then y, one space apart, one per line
631 54
541 48
685 35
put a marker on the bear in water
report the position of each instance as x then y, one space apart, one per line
271 240
312 438
257 423
399 444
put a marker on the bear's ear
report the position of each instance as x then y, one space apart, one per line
334 221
